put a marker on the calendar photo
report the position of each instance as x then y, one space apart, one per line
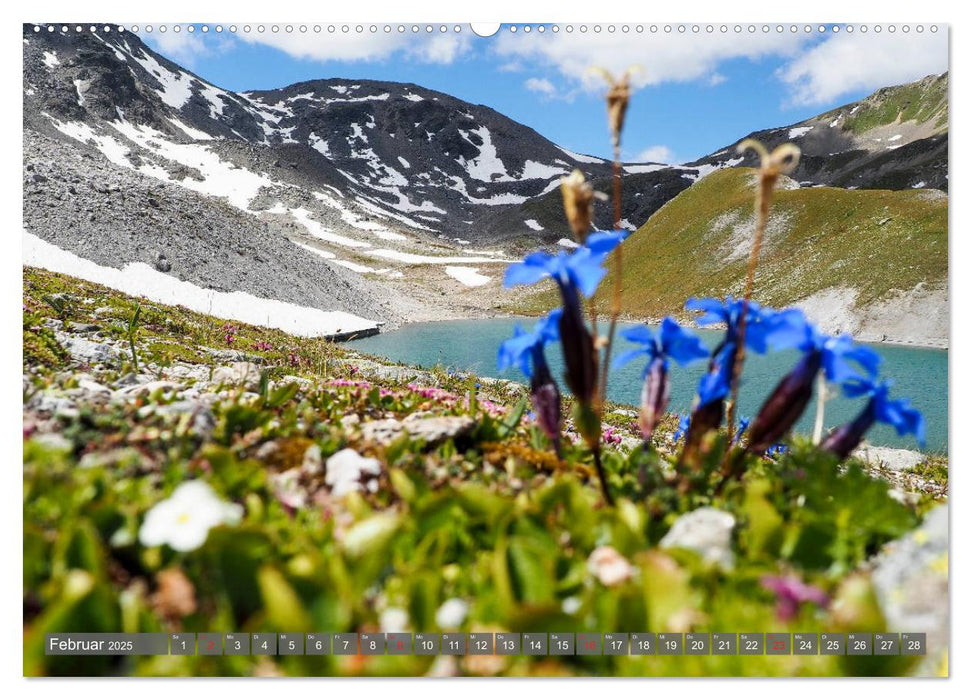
362 349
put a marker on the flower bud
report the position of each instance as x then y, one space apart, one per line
578 198
842 441
579 354
654 397
546 402
785 404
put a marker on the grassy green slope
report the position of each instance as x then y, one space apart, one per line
876 241
919 101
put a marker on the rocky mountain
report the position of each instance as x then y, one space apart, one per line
128 157
894 139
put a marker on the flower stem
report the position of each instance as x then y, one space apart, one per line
598 463
618 276
763 200
820 408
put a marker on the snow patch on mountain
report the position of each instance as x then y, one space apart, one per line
141 280
469 276
580 158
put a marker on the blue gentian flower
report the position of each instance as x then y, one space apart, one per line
683 423
763 328
743 423
837 357
525 349
580 270
671 341
521 349
896 412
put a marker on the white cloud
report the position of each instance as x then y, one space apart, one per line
716 79
854 62
663 57
436 48
655 154
181 47
541 85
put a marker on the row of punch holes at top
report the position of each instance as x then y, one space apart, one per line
512 28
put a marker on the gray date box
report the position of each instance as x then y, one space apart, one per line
805 644
372 643
859 644
670 643
210 644
398 643
183 643
263 643
832 644
426 644
724 644
507 643
481 643
236 644
913 643
751 644
778 644
345 643
290 644
535 644
696 644
454 644
616 644
642 643
886 644
316 644
562 643
588 644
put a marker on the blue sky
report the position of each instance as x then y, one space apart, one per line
697 91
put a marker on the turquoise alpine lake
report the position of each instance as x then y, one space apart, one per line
919 374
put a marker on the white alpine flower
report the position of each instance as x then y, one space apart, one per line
183 520
393 620
451 614
609 566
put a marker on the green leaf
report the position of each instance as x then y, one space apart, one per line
281 394
284 609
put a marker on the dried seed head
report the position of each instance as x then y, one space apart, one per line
618 95
578 204
781 161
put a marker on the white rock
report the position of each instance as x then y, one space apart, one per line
245 373
910 577
707 531
345 470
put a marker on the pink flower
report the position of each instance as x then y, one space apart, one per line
610 437
790 592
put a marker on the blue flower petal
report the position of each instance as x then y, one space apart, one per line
603 242
680 344
628 355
